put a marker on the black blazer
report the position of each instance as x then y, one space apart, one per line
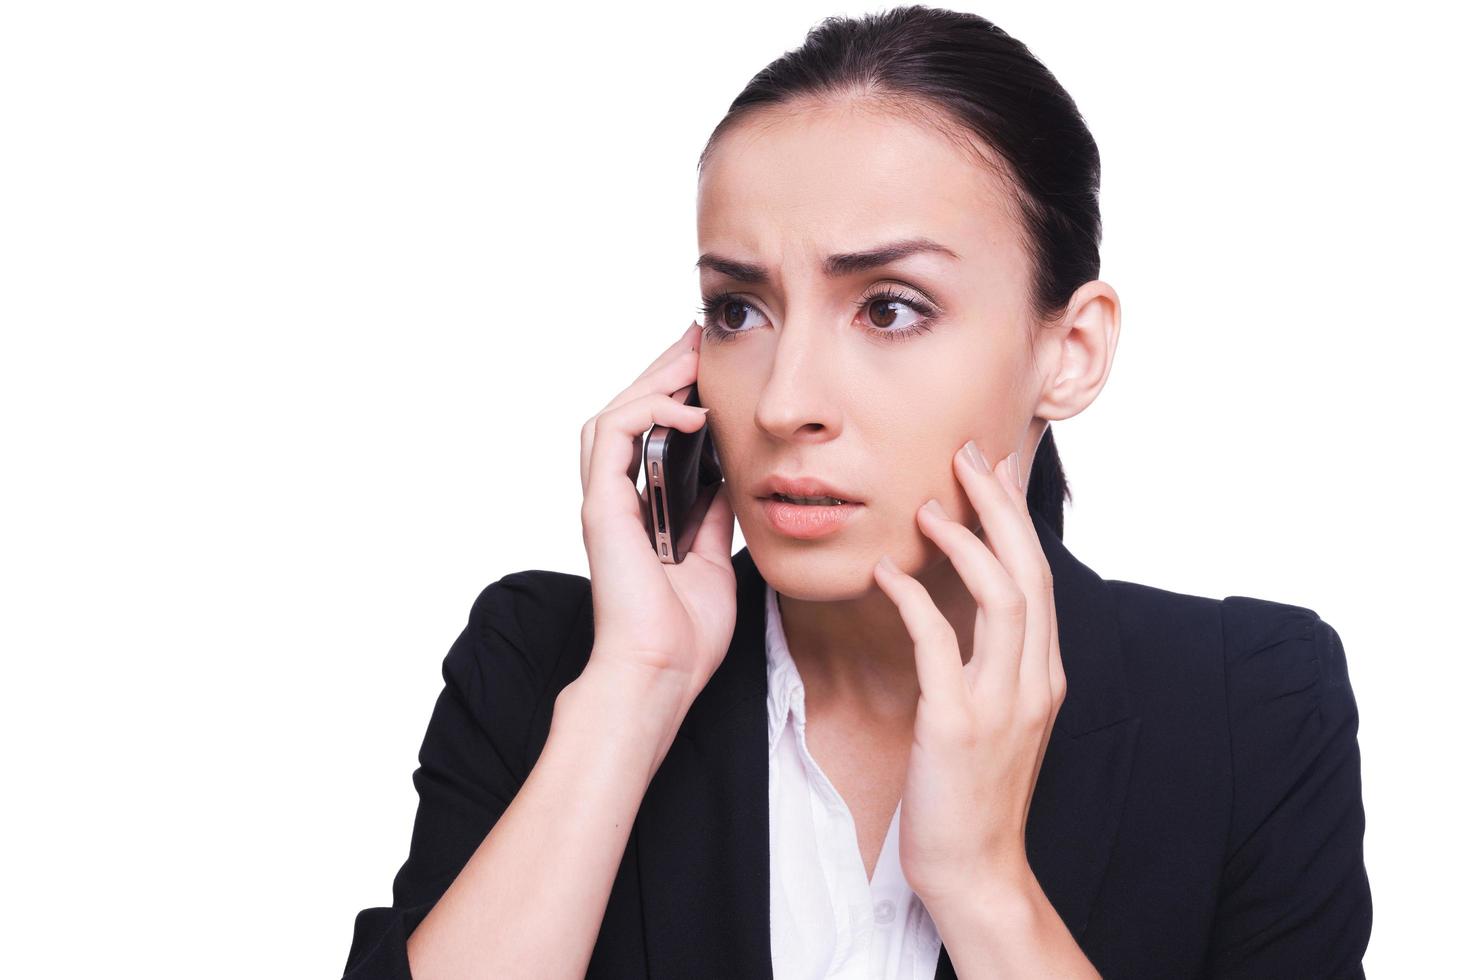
1198 811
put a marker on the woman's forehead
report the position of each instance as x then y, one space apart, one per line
839 181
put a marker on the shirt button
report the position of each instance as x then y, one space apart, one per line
883 912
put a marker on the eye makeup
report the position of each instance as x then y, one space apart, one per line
715 304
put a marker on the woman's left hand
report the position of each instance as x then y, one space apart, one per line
982 727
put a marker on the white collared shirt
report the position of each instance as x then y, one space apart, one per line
826 920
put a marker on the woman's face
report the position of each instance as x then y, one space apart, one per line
809 371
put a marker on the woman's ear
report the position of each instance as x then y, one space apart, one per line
1076 353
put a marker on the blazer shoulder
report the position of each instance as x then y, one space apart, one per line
1172 637
1266 648
524 604
1252 624
1284 660
1148 603
1296 899
526 630
1242 625
1275 650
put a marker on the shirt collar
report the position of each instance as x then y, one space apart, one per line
785 694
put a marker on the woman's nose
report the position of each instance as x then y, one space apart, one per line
800 392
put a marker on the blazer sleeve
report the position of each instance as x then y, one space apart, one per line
473 758
1294 900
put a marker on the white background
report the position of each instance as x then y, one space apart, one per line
286 287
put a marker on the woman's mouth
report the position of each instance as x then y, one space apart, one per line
792 499
807 517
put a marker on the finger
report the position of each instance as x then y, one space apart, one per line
995 503
1014 542
1045 587
617 439
1056 675
1016 487
935 647
1057 668
676 373
1058 695
686 342
998 638
682 363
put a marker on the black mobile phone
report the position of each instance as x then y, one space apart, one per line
681 474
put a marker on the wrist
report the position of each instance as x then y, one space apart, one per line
635 688
993 907
624 705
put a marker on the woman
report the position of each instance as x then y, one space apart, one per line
905 732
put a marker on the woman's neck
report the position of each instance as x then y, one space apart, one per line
857 655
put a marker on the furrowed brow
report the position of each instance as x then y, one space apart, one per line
835 266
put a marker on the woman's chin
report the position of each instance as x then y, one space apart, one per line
815 575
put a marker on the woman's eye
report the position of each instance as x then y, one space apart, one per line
885 312
725 314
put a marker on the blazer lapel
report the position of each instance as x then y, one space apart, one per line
703 831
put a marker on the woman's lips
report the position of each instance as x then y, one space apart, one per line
807 520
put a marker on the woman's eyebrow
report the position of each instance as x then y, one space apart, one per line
840 264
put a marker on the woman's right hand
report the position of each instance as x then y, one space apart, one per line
671 622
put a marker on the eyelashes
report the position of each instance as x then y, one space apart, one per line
713 308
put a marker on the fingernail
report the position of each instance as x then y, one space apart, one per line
1014 460
975 457
935 508
888 563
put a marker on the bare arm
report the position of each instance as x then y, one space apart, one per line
530 901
